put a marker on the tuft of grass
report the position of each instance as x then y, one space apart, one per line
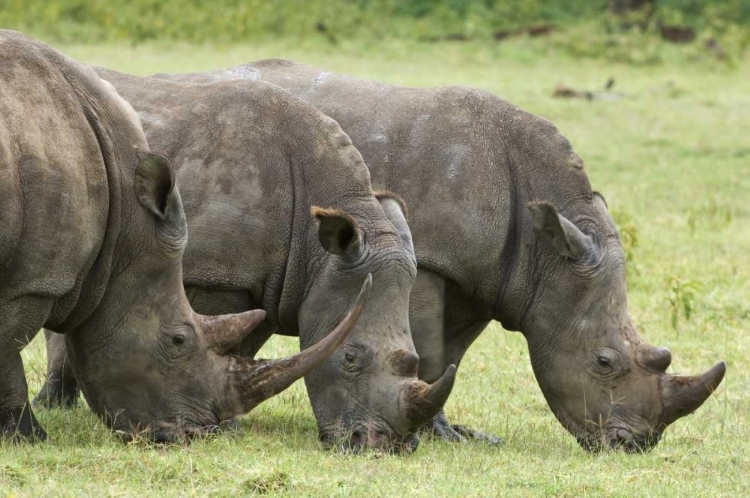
628 229
681 298
267 483
679 143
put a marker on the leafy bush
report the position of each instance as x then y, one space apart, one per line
628 230
226 21
681 298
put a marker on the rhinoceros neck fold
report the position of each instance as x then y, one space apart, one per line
318 179
512 295
542 166
116 129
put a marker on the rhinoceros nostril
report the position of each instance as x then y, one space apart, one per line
165 435
358 440
623 436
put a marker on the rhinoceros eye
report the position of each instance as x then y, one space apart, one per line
605 362
355 358
178 340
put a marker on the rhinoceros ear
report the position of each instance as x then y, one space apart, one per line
396 211
154 182
559 233
338 232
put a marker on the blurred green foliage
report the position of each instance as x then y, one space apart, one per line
227 21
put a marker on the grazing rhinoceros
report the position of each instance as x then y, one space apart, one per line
251 162
92 233
506 227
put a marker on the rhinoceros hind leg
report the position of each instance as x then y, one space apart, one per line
61 387
58 392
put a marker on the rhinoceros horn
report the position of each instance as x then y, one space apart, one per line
423 401
259 380
682 395
224 332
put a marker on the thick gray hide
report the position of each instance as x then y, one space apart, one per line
282 216
77 240
92 233
484 182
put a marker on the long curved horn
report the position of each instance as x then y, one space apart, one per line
223 332
423 401
259 380
681 396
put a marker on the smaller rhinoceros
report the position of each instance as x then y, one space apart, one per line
92 233
506 227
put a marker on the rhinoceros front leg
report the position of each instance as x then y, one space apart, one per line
61 387
440 342
17 421
426 319
20 320
457 343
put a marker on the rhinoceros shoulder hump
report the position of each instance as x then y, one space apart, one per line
123 105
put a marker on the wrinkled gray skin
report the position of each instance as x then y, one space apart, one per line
92 234
506 227
251 162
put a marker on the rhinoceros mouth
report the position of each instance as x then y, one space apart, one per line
620 438
173 433
372 436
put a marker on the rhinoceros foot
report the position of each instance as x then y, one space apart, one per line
440 427
231 427
478 436
58 392
19 424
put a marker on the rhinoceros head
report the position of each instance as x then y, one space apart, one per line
604 383
155 366
367 395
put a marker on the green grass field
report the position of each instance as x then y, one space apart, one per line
673 160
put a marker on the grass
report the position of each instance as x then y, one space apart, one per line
673 160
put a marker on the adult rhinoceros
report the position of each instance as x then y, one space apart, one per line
506 227
91 240
251 161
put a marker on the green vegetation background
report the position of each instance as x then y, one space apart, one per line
242 20
582 28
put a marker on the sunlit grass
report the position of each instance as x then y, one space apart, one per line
672 159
